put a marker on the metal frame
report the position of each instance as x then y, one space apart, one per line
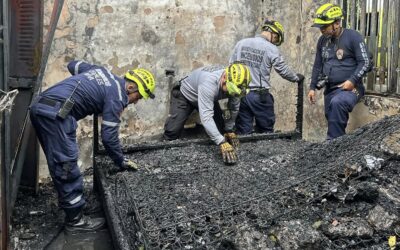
4 137
296 134
100 180
12 160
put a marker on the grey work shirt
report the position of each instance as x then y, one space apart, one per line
261 55
202 88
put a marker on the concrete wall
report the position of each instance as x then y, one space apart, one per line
183 35
372 108
157 35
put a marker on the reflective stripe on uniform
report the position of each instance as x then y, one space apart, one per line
111 124
76 200
76 70
366 60
116 82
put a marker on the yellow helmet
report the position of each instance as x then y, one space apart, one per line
144 80
237 79
327 14
276 27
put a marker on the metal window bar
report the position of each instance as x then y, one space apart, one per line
4 137
378 21
382 67
394 72
11 164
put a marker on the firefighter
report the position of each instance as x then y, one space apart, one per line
54 114
201 90
340 63
260 54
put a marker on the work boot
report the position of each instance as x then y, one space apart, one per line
84 224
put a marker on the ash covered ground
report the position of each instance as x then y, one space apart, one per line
282 194
37 221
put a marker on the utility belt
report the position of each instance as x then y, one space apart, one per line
176 88
177 84
333 86
259 89
262 92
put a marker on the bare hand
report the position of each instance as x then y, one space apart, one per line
311 97
347 85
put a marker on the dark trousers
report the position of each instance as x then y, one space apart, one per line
253 107
180 110
58 139
338 104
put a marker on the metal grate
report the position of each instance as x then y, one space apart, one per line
27 41
183 198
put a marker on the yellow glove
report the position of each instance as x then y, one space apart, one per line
228 153
129 165
232 139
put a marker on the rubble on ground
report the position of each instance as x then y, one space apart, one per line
282 194
37 221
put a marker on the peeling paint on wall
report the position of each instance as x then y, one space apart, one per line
156 35
372 108
184 35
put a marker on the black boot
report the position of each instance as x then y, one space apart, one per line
82 224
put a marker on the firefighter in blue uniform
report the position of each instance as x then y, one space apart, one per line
90 90
340 63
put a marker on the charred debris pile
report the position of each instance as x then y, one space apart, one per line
283 194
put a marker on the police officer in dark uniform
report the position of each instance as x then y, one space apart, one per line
54 114
340 63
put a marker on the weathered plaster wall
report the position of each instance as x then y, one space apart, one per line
183 35
157 35
372 108
299 51
314 121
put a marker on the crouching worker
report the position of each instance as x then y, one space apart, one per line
54 114
201 90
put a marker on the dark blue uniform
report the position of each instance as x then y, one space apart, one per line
340 59
97 91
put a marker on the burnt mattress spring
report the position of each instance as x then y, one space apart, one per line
282 193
